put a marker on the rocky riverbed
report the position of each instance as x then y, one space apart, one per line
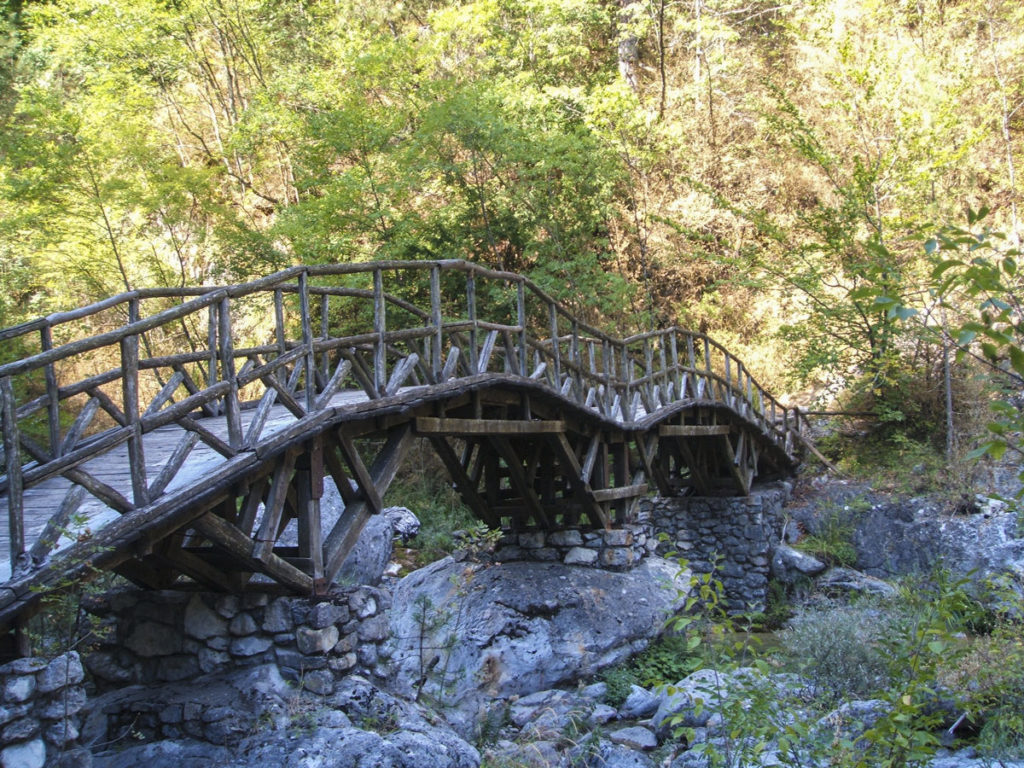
499 665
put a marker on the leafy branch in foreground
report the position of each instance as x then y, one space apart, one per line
978 267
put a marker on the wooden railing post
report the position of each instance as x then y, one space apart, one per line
521 322
325 329
130 397
12 454
52 393
380 351
232 405
282 344
308 358
474 352
556 352
436 321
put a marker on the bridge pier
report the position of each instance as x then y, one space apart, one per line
728 537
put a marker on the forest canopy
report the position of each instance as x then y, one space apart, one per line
769 173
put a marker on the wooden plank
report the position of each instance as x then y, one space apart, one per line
437 322
52 393
693 430
429 425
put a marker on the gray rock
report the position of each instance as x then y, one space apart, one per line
150 638
634 737
691 702
323 615
311 641
64 670
602 714
166 754
789 564
849 581
18 689
523 627
106 666
403 522
319 681
602 753
65 704
277 617
202 622
243 624
250 646
640 703
580 556
30 754
566 538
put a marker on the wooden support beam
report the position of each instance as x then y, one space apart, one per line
360 473
428 425
465 486
691 430
625 492
240 547
518 478
345 533
266 535
587 497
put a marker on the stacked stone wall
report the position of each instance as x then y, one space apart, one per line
729 537
168 637
39 716
619 549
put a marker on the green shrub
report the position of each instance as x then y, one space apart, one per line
838 650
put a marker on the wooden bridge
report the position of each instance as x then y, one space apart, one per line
182 468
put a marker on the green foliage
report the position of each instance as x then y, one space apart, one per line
665 662
838 650
832 541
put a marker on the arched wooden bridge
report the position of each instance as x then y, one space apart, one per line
123 452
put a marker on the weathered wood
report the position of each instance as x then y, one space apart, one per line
518 478
694 430
401 372
624 492
367 486
587 497
12 454
165 394
240 546
345 532
428 425
334 384
174 463
267 533
380 359
463 483
227 362
57 525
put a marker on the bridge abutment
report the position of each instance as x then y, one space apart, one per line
727 537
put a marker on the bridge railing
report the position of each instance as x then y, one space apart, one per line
154 357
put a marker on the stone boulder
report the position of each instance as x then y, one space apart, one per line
465 634
789 565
